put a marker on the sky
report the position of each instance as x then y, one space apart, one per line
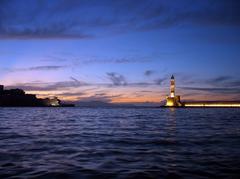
121 51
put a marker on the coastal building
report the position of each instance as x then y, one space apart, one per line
52 101
174 101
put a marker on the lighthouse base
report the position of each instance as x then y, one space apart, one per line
173 101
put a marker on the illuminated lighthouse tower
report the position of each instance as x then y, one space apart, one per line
172 87
173 100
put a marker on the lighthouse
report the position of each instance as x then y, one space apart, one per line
173 100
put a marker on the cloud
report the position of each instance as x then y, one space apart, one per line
148 72
116 60
38 33
140 84
95 98
224 90
36 20
159 81
117 79
38 68
205 13
146 91
72 94
222 84
76 80
99 60
73 19
99 97
51 86
228 81
46 68
220 79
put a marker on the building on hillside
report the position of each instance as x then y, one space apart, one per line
18 97
51 101
1 88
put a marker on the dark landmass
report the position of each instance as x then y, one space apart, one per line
18 98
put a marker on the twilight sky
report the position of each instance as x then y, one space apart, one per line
121 51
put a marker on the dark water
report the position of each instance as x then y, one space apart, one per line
119 143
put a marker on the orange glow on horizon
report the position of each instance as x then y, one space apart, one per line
137 99
125 96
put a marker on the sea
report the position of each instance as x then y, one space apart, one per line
119 142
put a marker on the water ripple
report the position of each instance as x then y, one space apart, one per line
119 143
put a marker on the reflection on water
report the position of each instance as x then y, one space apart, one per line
119 143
